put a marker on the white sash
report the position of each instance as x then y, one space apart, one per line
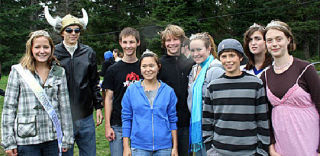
41 95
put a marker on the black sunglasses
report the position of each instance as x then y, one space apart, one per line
69 30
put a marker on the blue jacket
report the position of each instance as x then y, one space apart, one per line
149 128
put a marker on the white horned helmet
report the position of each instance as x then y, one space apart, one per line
60 24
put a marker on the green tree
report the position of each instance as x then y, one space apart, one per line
222 19
305 24
164 12
17 20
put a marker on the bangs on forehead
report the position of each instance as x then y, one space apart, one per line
171 35
125 36
285 31
278 34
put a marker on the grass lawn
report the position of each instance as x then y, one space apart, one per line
3 84
101 143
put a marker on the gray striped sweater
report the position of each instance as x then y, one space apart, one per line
235 120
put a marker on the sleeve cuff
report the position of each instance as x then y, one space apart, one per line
10 147
173 126
9 143
126 132
67 146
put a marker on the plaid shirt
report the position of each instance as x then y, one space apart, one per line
24 120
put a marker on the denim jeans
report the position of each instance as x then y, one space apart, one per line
183 141
161 152
49 148
85 137
116 146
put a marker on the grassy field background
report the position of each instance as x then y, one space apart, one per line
102 144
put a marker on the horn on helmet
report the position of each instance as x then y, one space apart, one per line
84 19
52 21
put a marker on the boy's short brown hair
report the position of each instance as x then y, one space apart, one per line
129 31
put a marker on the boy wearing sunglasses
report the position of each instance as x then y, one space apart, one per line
79 61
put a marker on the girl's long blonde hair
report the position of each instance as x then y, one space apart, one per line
28 60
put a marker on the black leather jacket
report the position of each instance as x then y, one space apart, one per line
174 72
83 79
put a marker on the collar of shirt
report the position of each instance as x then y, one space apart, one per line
71 49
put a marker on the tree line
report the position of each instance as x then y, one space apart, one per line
221 18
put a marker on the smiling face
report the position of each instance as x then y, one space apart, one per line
71 37
231 62
173 45
41 49
199 52
149 68
257 45
129 45
277 43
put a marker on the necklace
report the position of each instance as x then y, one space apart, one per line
197 72
157 85
283 66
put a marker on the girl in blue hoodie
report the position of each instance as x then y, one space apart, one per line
149 113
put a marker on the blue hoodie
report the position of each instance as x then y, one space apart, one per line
149 128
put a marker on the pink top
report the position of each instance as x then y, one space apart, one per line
295 119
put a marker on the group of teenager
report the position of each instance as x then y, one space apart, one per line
205 104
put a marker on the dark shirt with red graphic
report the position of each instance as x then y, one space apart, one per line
117 78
